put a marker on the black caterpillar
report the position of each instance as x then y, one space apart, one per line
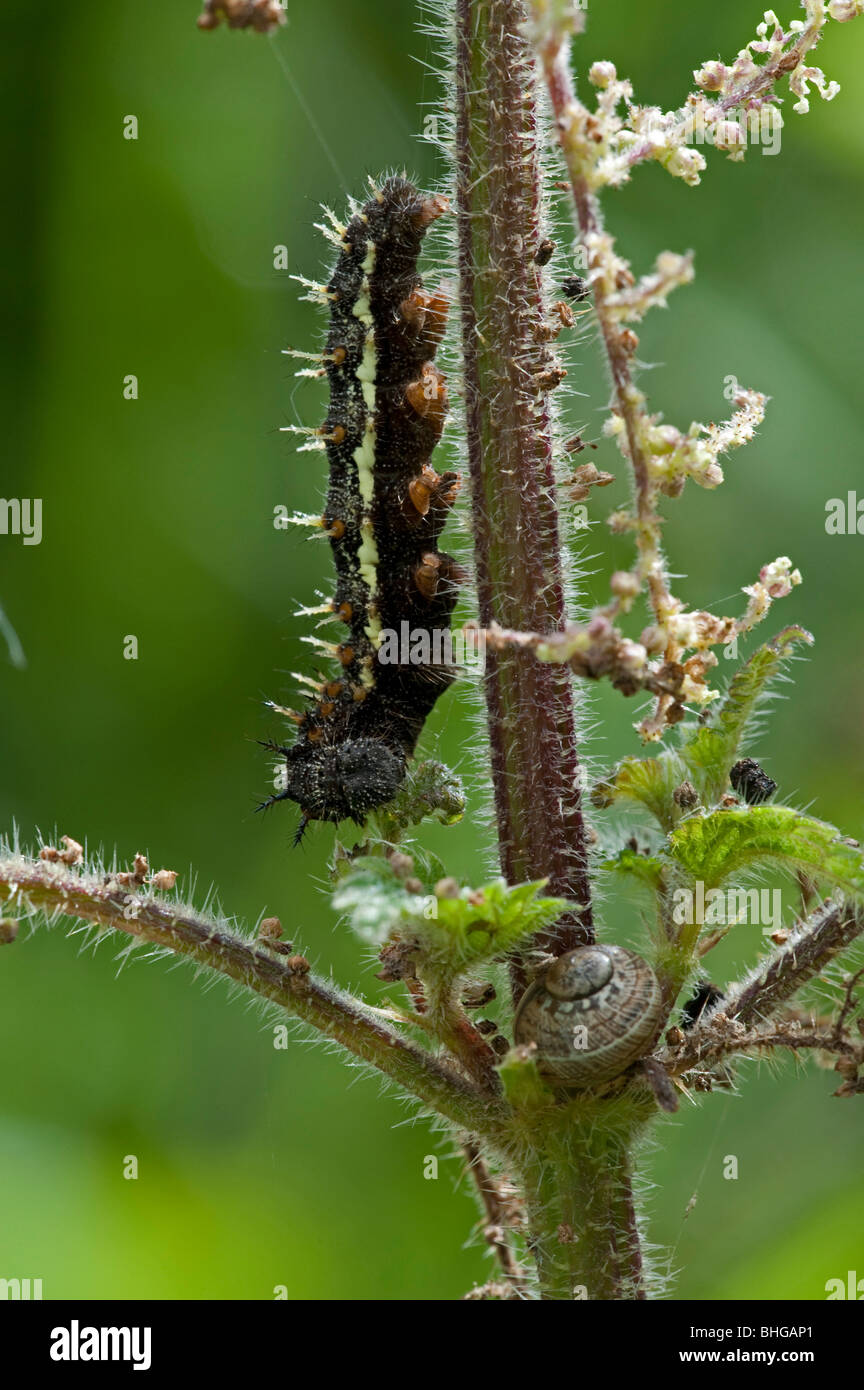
386 508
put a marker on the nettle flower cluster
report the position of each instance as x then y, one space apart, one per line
733 106
674 654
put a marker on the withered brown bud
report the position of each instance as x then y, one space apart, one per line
686 796
397 961
400 863
270 929
164 880
478 996
447 888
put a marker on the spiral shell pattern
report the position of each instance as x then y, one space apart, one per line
592 1013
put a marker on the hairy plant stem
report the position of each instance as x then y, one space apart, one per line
449 1023
285 981
507 364
579 1201
577 1165
832 928
496 1212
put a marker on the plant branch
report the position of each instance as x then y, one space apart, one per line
746 84
53 890
555 54
740 1021
499 1218
724 1039
809 949
661 457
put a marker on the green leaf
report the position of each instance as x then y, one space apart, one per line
710 752
523 1085
711 848
642 866
453 933
486 923
650 781
372 896
430 792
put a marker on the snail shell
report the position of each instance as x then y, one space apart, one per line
592 1013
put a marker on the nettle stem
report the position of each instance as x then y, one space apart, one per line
579 1201
577 1168
508 374
285 981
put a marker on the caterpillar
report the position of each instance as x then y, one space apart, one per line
385 510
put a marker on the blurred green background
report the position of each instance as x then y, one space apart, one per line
155 257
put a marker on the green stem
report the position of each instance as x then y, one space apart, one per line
285 981
448 1022
580 1203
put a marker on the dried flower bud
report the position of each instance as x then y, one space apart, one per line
398 961
447 888
401 864
564 314
73 852
576 288
711 77
260 15
686 796
624 584
478 996
164 880
601 74
270 929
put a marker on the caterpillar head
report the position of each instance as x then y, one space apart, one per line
342 781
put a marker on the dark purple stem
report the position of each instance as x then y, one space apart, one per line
508 374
